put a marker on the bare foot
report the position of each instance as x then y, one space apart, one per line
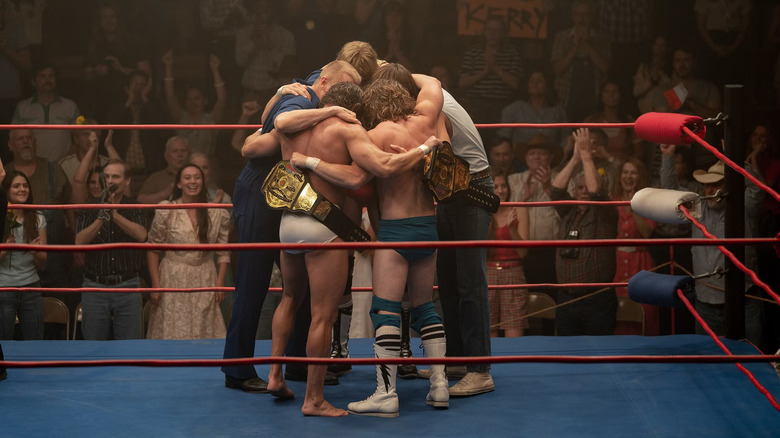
278 388
322 409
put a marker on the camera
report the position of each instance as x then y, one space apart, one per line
570 252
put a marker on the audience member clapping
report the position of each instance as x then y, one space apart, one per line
653 71
583 50
505 266
490 72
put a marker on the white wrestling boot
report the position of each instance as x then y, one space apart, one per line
439 394
384 401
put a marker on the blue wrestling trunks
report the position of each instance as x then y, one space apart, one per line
412 229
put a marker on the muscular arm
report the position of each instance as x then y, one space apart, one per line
431 98
261 145
368 160
298 120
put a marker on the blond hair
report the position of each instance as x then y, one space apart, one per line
336 68
362 56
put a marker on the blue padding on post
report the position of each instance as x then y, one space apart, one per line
658 289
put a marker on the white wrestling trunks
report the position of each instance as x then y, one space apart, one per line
301 228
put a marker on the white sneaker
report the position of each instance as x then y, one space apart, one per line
377 405
472 384
438 397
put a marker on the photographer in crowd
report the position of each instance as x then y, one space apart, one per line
594 315
115 268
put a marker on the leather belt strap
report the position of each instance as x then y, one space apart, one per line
287 189
447 175
481 174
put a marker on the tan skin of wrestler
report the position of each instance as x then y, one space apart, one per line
326 271
403 195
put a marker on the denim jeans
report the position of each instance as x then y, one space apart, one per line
101 311
28 306
594 316
462 279
255 222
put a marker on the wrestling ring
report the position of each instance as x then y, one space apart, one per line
663 386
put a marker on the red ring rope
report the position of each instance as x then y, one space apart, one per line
715 359
725 349
731 256
232 127
387 245
279 289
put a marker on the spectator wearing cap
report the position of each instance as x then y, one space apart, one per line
710 292
540 156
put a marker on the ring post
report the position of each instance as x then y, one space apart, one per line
734 136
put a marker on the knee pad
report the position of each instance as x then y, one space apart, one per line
423 315
378 319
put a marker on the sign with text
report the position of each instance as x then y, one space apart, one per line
523 18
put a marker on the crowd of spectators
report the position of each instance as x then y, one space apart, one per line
220 61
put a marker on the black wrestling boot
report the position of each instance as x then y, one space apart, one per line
406 371
339 345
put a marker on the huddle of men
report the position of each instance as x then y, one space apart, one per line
339 158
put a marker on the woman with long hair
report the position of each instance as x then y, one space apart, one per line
505 265
194 315
20 268
632 259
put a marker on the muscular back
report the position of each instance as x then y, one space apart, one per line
403 195
325 140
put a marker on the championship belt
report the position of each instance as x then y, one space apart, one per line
287 189
448 177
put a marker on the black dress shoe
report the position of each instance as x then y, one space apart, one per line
3 374
299 373
254 384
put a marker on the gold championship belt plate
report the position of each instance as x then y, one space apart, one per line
448 177
287 189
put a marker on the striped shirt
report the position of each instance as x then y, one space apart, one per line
114 262
491 86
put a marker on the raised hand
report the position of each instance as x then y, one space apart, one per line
249 108
167 58
667 149
214 62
